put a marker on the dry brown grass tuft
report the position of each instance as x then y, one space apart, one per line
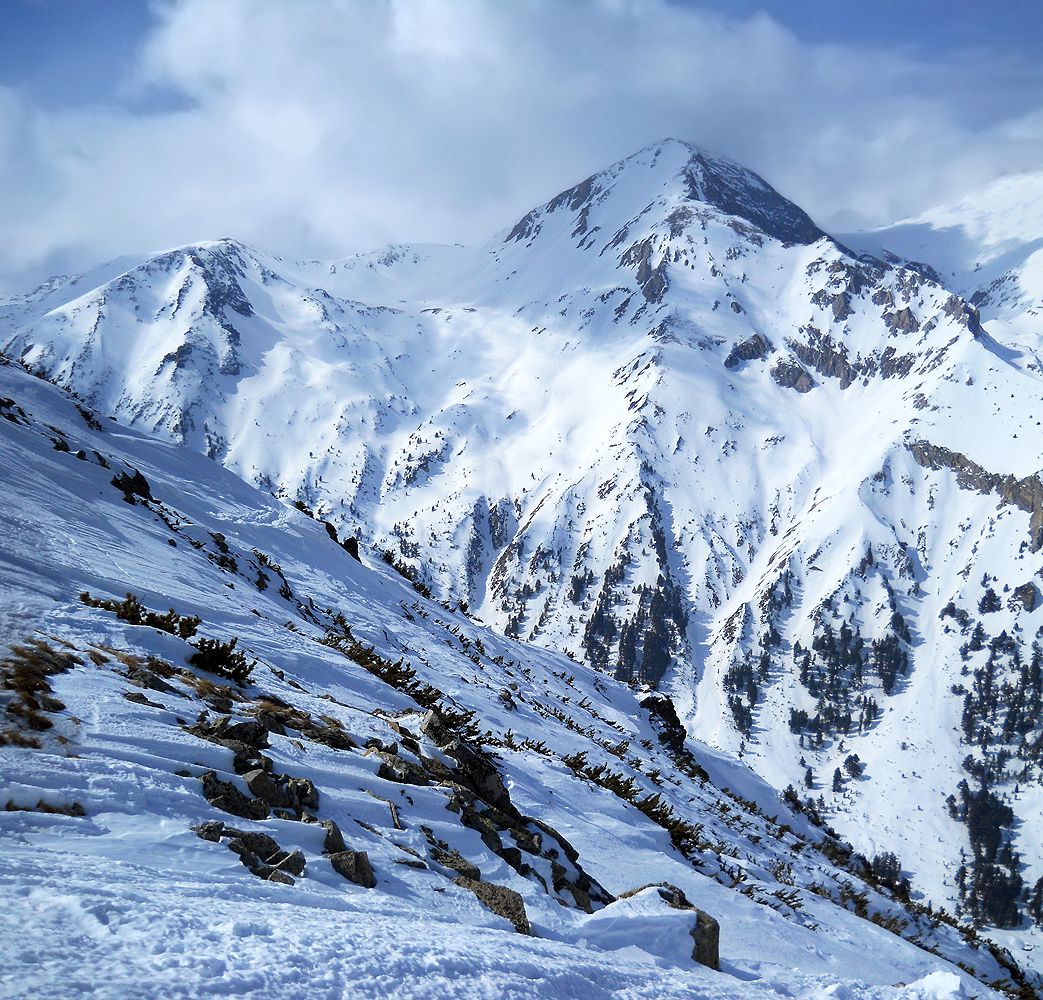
25 680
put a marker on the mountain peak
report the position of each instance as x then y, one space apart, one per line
675 172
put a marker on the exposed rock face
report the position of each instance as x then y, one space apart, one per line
826 356
518 840
303 793
742 193
394 767
502 901
280 791
211 830
792 376
903 320
654 280
355 867
706 933
1026 494
476 771
444 855
749 349
1027 595
434 728
707 937
665 719
483 801
966 314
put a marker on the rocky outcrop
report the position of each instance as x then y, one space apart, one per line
225 796
1027 595
706 932
901 320
963 313
433 726
223 731
826 356
750 349
289 796
830 359
481 798
839 302
442 854
706 935
502 901
672 734
792 376
1026 494
576 199
280 791
740 192
653 281
259 852
394 767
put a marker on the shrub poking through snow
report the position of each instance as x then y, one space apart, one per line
133 612
212 655
406 572
222 658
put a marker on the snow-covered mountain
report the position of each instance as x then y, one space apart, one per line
667 424
305 778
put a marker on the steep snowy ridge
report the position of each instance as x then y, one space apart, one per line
488 783
668 425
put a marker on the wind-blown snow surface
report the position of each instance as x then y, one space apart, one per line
662 422
125 900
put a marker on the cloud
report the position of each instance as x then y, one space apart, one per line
322 127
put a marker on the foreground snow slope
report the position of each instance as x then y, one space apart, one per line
110 751
667 424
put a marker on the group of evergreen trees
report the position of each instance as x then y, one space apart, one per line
991 885
1002 720
1003 710
836 671
742 681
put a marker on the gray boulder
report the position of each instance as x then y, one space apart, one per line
334 841
264 786
355 867
303 793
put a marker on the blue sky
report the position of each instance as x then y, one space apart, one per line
925 26
323 126
66 52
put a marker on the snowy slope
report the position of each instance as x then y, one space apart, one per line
663 422
102 871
